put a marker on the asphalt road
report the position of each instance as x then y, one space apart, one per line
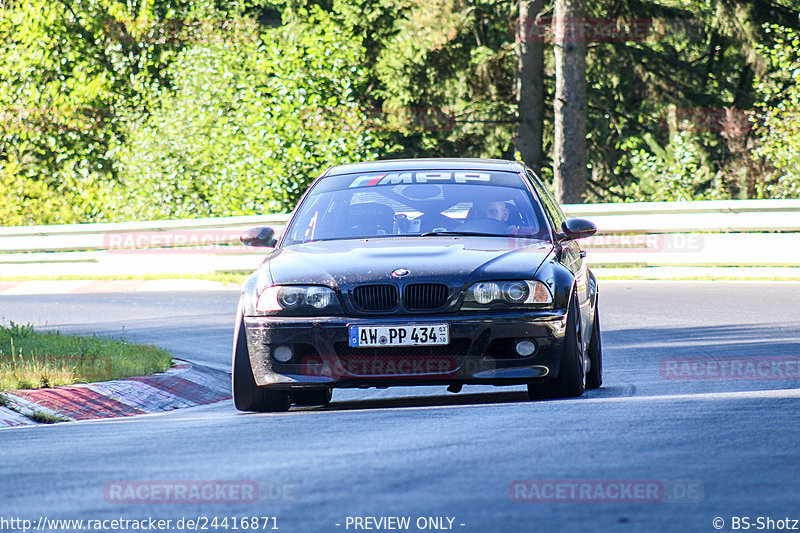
714 446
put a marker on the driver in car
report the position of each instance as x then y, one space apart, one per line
495 210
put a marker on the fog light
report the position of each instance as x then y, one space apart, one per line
283 354
525 347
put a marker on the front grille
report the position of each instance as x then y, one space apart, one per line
424 296
375 297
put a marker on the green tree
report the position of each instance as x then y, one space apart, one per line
680 170
530 85
251 118
68 68
441 72
569 102
699 57
778 130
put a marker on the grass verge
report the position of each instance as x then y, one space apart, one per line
45 418
30 359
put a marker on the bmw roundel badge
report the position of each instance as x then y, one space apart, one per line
401 272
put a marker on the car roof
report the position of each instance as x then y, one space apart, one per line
452 163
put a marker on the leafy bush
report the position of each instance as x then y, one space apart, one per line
779 128
250 120
67 69
678 171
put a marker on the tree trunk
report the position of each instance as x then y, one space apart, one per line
530 84
569 147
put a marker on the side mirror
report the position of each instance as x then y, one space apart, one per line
260 236
577 228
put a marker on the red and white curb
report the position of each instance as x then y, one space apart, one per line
184 385
87 286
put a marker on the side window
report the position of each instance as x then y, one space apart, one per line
555 212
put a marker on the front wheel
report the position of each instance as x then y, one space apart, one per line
594 378
571 379
247 395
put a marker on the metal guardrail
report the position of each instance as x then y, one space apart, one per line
727 233
692 217
131 235
703 206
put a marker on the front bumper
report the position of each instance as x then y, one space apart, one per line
480 351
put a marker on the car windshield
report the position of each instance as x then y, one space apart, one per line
418 203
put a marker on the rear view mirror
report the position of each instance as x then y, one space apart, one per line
260 236
577 228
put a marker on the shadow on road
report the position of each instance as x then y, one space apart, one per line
477 398
429 401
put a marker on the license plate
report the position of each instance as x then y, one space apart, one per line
415 335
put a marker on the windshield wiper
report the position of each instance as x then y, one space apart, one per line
461 234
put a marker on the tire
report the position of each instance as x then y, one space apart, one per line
594 378
247 395
311 397
571 379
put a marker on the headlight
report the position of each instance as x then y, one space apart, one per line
520 293
485 292
295 298
319 297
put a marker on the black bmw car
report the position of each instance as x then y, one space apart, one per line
418 272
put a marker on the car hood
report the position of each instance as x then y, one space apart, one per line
348 262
